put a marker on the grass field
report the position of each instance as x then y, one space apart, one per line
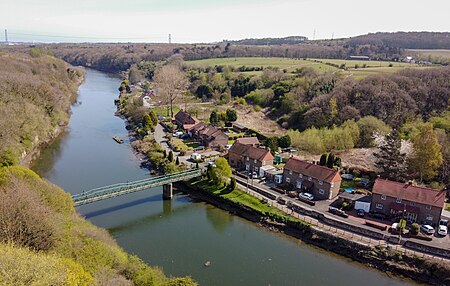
320 65
435 53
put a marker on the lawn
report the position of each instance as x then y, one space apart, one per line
436 53
320 65
162 110
447 206
240 197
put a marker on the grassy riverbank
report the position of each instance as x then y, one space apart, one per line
44 241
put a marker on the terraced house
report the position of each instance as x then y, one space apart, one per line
322 182
415 204
249 158
208 135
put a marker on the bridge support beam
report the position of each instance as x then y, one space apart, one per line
167 191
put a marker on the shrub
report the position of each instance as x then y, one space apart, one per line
415 228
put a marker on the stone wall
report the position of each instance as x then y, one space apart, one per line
427 249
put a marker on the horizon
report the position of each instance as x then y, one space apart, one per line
202 21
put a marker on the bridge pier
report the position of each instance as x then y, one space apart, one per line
167 191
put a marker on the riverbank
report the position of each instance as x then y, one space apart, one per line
385 259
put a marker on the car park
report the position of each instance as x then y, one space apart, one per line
306 196
427 229
442 230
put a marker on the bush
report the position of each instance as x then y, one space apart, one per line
232 185
415 228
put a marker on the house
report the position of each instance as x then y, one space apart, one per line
184 120
322 182
414 203
248 157
359 58
274 175
239 128
145 100
357 201
208 135
249 141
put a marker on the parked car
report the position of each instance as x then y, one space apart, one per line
177 134
184 136
306 196
426 228
228 146
255 175
199 148
338 212
379 216
442 230
360 213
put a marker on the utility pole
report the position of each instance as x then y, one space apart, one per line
6 35
314 35
170 38
332 36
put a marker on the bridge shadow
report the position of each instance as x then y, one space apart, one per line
154 198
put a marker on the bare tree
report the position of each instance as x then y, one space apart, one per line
170 81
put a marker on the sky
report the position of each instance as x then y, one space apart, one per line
213 20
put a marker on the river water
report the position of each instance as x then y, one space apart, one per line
178 235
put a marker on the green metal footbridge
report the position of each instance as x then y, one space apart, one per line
120 189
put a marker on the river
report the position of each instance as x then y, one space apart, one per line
178 235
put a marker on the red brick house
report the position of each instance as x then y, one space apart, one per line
208 135
249 141
322 182
184 120
248 158
415 204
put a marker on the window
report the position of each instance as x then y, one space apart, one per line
332 184
290 172
321 191
398 201
288 180
383 197
429 217
379 206
254 161
412 203
300 175
428 207
309 179
299 184
248 159
320 183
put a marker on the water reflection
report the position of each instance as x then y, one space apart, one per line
219 220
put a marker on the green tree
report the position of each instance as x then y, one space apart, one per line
284 141
368 127
330 161
338 162
390 160
177 162
427 156
214 118
323 159
231 115
221 172
147 122
170 157
232 184
272 143
154 118
164 154
204 91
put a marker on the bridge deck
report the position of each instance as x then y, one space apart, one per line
120 189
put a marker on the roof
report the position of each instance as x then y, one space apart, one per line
318 172
274 172
409 192
248 140
184 117
252 152
237 125
267 168
352 197
197 127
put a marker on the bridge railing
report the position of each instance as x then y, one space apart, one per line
119 188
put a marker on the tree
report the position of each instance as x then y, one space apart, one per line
221 172
284 141
427 156
154 118
390 160
170 157
323 159
368 127
147 122
171 81
272 143
204 91
177 162
330 161
214 118
164 153
231 115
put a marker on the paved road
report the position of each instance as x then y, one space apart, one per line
160 137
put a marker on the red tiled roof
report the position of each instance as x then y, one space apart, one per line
248 141
318 172
409 192
253 153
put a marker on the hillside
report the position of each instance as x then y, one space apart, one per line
405 40
45 242
35 97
